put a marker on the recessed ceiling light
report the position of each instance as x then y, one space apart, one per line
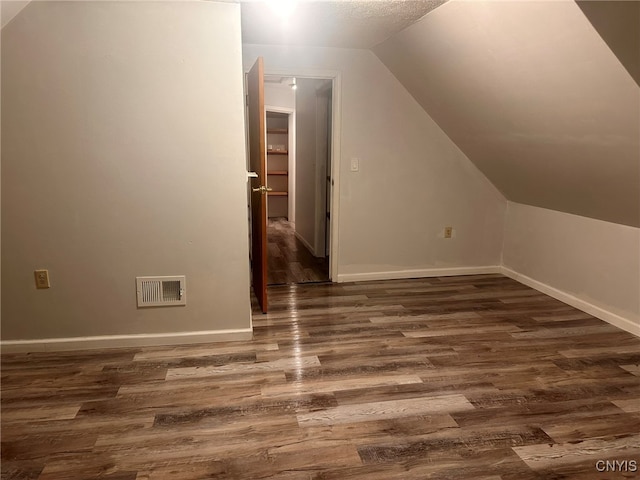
283 8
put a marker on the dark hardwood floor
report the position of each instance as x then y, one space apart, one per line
289 261
473 377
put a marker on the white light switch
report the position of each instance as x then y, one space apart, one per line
355 164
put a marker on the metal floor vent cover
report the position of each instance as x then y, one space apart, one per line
161 291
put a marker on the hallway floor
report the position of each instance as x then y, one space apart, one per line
289 261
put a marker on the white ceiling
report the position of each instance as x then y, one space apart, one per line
344 24
277 80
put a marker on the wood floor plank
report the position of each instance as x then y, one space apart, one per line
375 431
630 405
450 378
562 316
564 332
454 440
80 425
598 351
191 385
64 412
546 456
386 410
437 332
634 369
427 318
337 385
600 427
200 351
283 364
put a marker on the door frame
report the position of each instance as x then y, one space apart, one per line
336 129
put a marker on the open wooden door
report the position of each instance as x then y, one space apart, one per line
258 164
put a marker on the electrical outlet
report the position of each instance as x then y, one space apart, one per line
42 278
448 231
355 164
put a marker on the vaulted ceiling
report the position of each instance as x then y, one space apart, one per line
9 9
540 95
535 97
543 96
331 23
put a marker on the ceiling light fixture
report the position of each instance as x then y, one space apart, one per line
282 8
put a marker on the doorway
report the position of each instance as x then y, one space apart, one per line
313 212
298 151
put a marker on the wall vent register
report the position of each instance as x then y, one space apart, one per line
161 291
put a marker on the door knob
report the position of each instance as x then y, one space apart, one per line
262 189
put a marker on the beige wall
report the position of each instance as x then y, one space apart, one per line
594 261
123 155
534 97
277 95
413 180
307 177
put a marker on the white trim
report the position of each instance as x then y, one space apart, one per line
177 338
305 243
322 165
336 138
292 168
271 108
419 273
599 312
119 341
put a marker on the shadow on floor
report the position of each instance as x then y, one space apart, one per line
289 261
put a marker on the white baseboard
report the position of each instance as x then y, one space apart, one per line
119 341
177 338
305 243
587 307
418 273
599 312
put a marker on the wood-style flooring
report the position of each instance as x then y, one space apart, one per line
474 377
289 261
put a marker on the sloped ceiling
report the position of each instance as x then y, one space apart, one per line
534 96
540 95
618 23
331 23
9 9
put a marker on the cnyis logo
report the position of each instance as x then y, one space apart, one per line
617 466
